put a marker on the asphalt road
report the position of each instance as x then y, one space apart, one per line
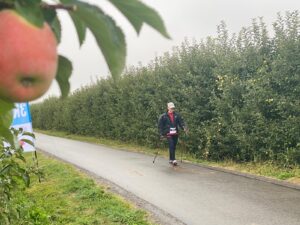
192 194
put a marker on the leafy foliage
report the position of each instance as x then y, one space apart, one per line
239 95
14 174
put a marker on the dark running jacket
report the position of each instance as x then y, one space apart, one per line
164 123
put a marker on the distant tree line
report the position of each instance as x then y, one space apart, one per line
239 94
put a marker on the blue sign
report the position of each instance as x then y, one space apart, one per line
22 119
21 114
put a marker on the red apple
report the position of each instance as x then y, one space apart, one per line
28 58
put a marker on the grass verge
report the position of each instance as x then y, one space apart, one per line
266 169
67 196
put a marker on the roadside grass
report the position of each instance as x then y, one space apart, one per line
267 169
67 196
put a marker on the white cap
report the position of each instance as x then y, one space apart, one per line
171 105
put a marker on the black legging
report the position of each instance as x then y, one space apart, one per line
172 140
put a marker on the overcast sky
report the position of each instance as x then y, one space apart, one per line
192 19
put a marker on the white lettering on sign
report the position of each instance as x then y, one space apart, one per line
19 111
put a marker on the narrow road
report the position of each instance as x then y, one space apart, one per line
192 194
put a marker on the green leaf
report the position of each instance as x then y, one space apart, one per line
31 11
80 27
15 131
5 106
7 135
26 179
21 157
49 15
6 120
6 112
64 72
108 35
28 142
138 13
56 28
28 134
51 18
5 169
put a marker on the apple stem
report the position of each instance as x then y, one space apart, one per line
59 6
43 5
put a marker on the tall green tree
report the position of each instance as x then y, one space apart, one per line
238 93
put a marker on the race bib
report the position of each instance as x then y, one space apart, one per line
173 131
